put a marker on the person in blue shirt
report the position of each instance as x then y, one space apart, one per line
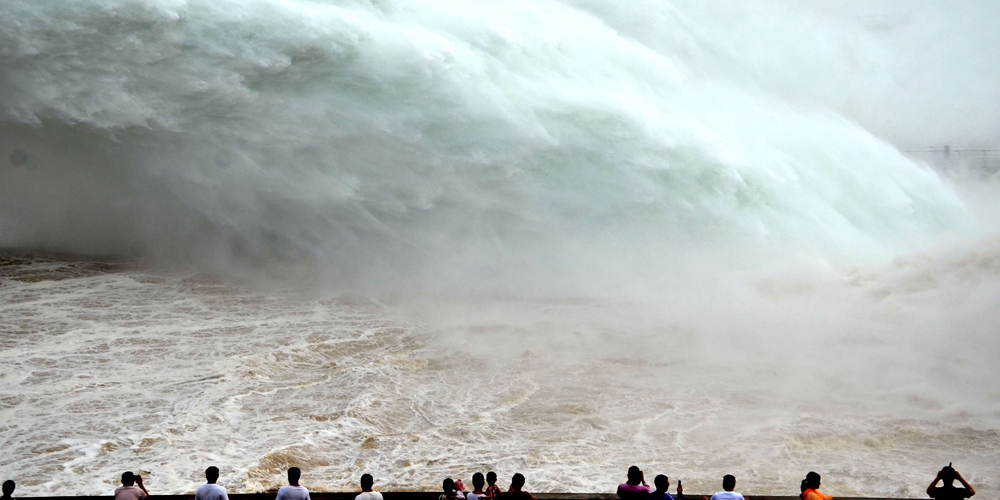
662 484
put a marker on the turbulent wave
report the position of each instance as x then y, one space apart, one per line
427 142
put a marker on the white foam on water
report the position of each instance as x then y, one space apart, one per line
114 369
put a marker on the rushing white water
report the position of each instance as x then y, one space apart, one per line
671 226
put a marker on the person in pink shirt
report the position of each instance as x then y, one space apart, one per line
635 488
128 490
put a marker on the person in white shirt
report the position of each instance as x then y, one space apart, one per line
366 489
478 481
210 490
728 484
128 490
293 491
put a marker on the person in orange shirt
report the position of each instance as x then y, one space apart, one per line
810 488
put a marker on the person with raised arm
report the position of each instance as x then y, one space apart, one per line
810 488
293 491
635 488
948 491
128 490
210 490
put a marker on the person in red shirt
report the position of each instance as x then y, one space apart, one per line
515 492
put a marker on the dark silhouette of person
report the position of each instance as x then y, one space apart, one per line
8 489
662 484
448 489
635 488
492 491
210 490
948 491
128 490
810 488
516 491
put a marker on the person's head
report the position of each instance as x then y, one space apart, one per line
128 479
729 482
517 482
367 481
634 475
662 482
491 478
293 475
448 485
212 474
947 475
8 488
478 481
811 482
459 485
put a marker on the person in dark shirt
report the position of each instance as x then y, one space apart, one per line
515 492
8 489
948 491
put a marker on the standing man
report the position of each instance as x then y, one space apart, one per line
948 491
128 490
293 491
210 490
367 481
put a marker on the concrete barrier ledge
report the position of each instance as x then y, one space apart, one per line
429 495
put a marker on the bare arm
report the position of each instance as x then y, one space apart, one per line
968 486
934 483
138 480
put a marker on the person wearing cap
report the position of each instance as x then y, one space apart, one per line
947 490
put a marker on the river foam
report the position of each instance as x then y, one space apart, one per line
873 378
